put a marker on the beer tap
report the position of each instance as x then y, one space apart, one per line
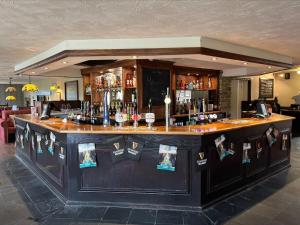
167 108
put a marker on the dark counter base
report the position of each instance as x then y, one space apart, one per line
137 183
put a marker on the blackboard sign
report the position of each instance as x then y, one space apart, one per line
266 87
155 84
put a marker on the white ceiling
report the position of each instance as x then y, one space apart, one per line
30 27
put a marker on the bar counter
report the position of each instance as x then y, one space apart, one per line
56 125
130 167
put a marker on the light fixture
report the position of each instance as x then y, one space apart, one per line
214 58
134 57
32 72
281 75
245 63
298 72
29 87
10 98
269 67
45 68
64 62
10 88
53 87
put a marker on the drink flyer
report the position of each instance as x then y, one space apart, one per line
134 149
167 157
258 148
118 153
285 140
270 136
246 148
220 145
26 132
52 140
38 140
87 155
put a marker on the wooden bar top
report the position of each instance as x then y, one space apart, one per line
56 125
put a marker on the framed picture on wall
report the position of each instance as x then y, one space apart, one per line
71 90
266 87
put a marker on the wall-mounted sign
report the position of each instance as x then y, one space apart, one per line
246 148
52 140
167 157
202 160
118 153
259 148
266 87
134 149
38 140
87 155
285 142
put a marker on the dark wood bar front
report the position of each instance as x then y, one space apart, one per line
211 161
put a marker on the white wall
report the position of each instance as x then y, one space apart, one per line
58 77
283 89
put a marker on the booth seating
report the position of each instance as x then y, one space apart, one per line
7 127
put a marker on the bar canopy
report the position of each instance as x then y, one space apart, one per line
71 52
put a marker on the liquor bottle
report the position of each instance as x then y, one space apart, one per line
186 86
199 103
201 84
190 86
134 79
177 107
195 106
197 85
150 105
127 81
128 112
209 82
194 85
133 97
203 105
181 85
177 85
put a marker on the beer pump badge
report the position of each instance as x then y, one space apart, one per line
150 117
201 159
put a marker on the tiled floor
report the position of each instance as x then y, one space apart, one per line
24 200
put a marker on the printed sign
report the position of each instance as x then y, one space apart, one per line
26 132
87 155
270 136
118 153
246 148
52 140
22 141
38 140
258 148
285 141
134 149
221 149
167 157
150 117
32 143
201 159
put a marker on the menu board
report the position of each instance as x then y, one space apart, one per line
155 83
266 87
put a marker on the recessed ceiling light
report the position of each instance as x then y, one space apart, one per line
298 72
214 58
32 72
245 63
269 67
281 75
134 57
45 68
64 62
